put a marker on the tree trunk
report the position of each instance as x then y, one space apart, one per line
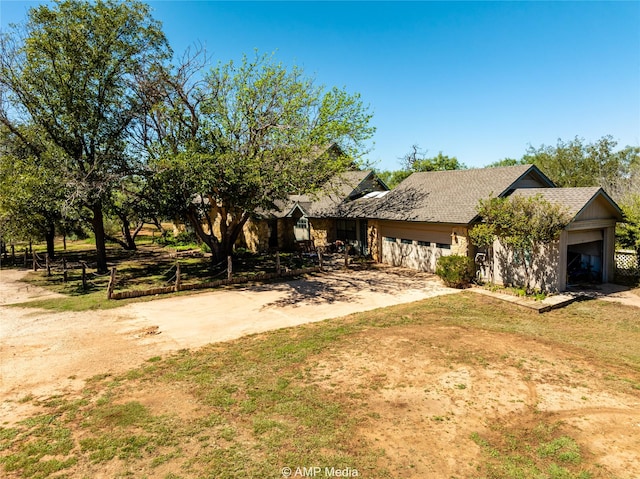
209 239
50 235
231 234
129 242
97 222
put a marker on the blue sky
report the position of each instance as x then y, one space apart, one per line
479 81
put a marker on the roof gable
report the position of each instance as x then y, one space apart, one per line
580 203
342 188
448 196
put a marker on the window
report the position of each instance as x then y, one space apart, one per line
390 239
406 241
424 243
301 230
443 246
346 230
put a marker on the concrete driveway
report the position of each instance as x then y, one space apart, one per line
44 353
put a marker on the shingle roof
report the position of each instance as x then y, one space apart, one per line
443 196
324 203
573 199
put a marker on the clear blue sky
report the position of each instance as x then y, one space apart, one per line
479 81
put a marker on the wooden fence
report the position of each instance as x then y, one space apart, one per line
179 286
627 265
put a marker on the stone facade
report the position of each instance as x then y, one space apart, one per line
323 231
460 243
373 239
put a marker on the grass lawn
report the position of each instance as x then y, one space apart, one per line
324 395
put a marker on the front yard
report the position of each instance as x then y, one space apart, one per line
454 386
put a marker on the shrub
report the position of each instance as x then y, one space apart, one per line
456 271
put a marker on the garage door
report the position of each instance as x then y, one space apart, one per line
414 254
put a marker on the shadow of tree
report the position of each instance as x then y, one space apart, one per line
342 286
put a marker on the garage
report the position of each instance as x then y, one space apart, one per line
415 246
585 250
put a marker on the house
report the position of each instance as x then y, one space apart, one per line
314 218
429 215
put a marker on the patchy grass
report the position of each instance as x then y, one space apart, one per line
537 450
249 407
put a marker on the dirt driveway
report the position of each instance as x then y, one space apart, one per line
44 353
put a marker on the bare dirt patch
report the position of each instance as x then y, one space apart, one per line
43 353
429 389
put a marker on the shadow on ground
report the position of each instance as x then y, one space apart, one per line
345 285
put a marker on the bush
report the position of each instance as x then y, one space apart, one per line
456 271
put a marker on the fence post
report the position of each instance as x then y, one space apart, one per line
35 261
47 263
26 257
319 258
84 276
112 281
64 270
177 285
229 268
13 254
278 263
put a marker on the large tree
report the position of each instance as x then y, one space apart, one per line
31 191
244 137
73 71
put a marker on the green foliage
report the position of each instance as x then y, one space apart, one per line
393 178
417 161
247 136
521 224
31 191
507 162
629 231
576 163
456 271
73 71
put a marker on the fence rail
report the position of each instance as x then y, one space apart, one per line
178 286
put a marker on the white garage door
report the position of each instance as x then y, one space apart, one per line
420 255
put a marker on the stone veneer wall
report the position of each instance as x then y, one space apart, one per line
255 236
373 239
460 243
323 231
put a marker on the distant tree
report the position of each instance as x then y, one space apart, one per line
576 163
506 162
522 225
417 161
629 231
393 178
73 71
245 137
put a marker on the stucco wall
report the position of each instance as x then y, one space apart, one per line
509 269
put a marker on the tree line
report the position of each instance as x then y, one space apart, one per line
572 163
100 122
